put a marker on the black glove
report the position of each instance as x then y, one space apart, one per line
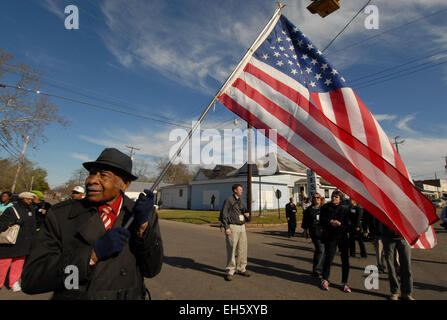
143 207
111 243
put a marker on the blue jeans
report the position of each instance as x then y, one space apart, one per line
318 256
390 246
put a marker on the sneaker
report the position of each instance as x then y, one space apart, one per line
16 287
315 274
229 277
325 285
346 288
408 297
245 273
394 296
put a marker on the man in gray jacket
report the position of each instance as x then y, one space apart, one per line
233 216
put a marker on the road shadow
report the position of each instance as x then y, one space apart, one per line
277 233
188 263
428 261
281 270
310 260
291 273
290 246
431 287
362 291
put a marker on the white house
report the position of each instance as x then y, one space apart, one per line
137 187
282 174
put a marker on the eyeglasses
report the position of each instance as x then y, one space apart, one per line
75 192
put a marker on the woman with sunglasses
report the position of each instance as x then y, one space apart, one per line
336 222
311 226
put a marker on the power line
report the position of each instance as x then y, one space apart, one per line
94 105
396 66
389 30
75 91
401 75
429 63
344 28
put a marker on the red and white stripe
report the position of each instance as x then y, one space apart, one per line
335 135
105 217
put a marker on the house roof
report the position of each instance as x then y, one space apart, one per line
218 172
283 165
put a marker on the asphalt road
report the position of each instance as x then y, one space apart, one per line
194 268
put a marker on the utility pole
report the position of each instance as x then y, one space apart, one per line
131 151
397 143
31 184
19 165
249 167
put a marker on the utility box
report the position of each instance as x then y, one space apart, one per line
324 7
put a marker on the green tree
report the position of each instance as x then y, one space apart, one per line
31 177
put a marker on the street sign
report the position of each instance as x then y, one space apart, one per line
278 194
311 183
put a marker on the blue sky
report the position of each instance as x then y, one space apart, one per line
167 59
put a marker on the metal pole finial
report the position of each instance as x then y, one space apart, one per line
280 5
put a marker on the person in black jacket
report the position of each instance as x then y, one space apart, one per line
291 218
312 226
336 222
233 216
41 208
89 237
356 232
12 256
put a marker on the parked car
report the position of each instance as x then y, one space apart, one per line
439 203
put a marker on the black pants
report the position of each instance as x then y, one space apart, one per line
291 227
330 248
352 239
318 255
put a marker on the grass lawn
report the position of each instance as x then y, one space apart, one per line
207 217
190 216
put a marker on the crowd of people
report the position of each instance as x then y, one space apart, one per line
114 251
27 209
343 223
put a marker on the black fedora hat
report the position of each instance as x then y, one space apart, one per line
111 157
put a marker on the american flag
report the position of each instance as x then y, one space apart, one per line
287 84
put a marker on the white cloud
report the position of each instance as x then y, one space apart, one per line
54 7
424 156
199 47
403 124
385 117
80 156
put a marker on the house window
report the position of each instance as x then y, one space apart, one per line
180 193
326 193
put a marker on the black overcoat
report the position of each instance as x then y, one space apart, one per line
26 233
66 239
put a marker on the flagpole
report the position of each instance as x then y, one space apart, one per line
261 37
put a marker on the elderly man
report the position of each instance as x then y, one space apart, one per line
77 193
89 237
